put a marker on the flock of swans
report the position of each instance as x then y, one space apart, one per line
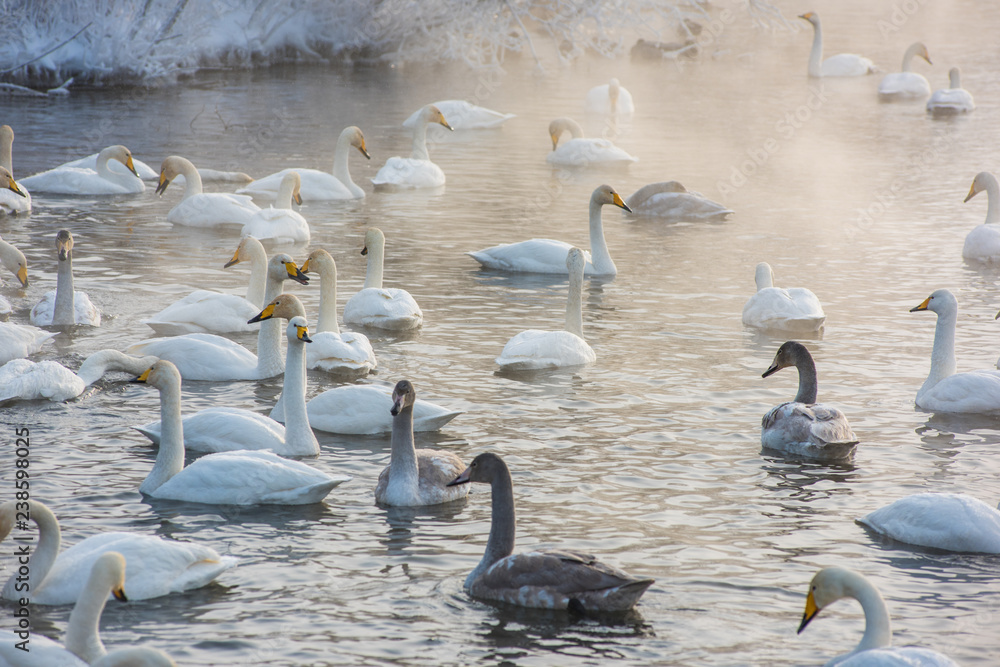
246 454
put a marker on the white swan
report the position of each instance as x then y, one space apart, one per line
983 242
376 306
364 410
319 185
416 171
211 357
101 180
20 340
198 208
415 476
332 350
281 223
148 173
13 260
224 429
610 99
944 390
17 200
26 380
951 100
804 426
833 583
156 567
64 306
83 644
228 478
550 579
906 84
948 521
463 115
548 256
534 349
671 201
204 311
793 309
580 151
843 64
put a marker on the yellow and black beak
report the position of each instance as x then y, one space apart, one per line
617 198
295 274
145 375
445 123
22 275
297 198
806 16
555 140
364 251
13 187
302 333
162 186
119 593
235 259
922 306
364 149
305 266
265 314
972 193
131 166
809 614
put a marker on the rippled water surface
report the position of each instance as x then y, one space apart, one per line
649 458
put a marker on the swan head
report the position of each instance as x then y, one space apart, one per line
605 194
14 261
281 267
576 261
484 468
298 330
811 17
560 125
829 585
981 182
161 375
123 155
248 247
788 355
939 301
292 181
432 114
109 569
357 139
320 262
64 245
403 396
7 182
374 239
954 78
763 276
171 168
919 49
283 305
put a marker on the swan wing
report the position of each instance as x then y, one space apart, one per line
975 391
406 172
364 410
20 340
847 64
582 152
796 309
76 181
201 356
280 225
951 521
225 429
463 115
211 209
535 349
816 431
534 256
340 352
384 308
204 311
28 381
316 186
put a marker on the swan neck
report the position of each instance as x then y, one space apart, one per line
42 557
954 80
284 198
192 180
908 57
82 633
878 629
373 273
258 276
992 201
502 525
599 254
299 437
170 457
419 149
328 303
6 153
574 304
943 354
64 310
403 468
269 359
816 55
96 365
341 171
807 380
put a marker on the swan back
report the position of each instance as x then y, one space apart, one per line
949 521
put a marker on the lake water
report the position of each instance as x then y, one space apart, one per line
649 458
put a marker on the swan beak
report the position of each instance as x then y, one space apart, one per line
442 121
12 186
297 198
22 275
772 369
810 612
234 260
162 185
63 250
302 333
397 403
265 314
131 167
806 16
305 266
555 140
618 201
972 193
144 377
461 479
295 274
119 593
922 306
364 150
364 251
997 317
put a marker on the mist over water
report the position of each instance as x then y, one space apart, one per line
649 458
